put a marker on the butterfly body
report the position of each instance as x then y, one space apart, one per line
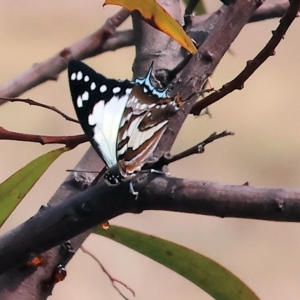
123 120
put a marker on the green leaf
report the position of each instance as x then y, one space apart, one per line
15 188
156 16
202 271
200 9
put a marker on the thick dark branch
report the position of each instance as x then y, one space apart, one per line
252 65
99 203
10 287
227 23
89 46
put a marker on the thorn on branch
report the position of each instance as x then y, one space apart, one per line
65 52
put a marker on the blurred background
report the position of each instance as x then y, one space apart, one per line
265 117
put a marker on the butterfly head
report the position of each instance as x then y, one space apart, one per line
113 176
148 87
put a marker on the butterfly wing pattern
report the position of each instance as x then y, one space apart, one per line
123 120
99 104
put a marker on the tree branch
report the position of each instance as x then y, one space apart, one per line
95 205
33 279
268 10
104 40
112 279
89 46
252 65
100 203
35 103
227 23
70 141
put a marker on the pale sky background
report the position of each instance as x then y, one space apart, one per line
265 117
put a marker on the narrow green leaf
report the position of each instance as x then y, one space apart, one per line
202 271
15 188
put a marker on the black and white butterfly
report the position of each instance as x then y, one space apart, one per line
124 120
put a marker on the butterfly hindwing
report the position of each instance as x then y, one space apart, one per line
144 121
99 104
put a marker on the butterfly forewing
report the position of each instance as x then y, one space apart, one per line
99 104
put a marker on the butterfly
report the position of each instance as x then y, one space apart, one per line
124 120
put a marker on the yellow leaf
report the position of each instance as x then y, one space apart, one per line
156 16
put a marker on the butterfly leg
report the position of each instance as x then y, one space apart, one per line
133 191
159 172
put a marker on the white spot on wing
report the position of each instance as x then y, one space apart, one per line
86 78
85 96
103 88
79 102
128 91
79 75
73 76
93 86
143 106
116 90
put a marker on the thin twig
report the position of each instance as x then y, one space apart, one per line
252 65
188 12
199 148
112 279
32 102
70 141
270 10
